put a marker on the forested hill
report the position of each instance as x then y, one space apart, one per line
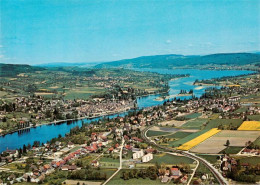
11 70
171 61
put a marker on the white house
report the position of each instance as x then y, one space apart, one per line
147 157
138 154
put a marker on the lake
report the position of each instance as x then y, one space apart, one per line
45 133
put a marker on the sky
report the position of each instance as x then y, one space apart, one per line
49 31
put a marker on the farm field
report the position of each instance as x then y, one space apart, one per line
226 123
187 138
251 99
75 182
242 109
195 124
151 133
171 159
179 135
250 160
211 158
254 117
193 115
236 138
117 180
108 162
250 125
257 141
84 92
192 143
214 116
172 123
231 150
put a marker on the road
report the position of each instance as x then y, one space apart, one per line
194 171
213 170
120 165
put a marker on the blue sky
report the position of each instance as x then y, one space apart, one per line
46 31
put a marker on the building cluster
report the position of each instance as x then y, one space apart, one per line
174 173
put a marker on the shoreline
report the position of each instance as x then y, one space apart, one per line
87 117
76 119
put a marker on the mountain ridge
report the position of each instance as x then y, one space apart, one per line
173 60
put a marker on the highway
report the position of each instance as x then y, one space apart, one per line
214 171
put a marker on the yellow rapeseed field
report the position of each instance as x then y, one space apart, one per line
235 85
190 144
250 125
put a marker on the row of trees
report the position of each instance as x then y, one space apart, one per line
84 174
150 172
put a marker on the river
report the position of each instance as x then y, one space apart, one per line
45 133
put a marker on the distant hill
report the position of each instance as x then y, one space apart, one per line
171 61
12 70
60 64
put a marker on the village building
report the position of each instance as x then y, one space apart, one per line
147 157
138 154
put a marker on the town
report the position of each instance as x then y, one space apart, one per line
150 144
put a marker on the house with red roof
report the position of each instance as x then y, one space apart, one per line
137 139
175 173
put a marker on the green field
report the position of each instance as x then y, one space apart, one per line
195 124
109 162
171 159
211 158
151 133
240 110
223 122
250 99
257 141
17 167
231 150
193 115
250 160
187 138
179 135
83 92
117 180
254 117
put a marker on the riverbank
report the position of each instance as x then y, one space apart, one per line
109 113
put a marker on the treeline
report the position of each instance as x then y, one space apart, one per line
12 70
86 174
150 172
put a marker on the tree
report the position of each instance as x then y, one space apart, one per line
227 143
28 179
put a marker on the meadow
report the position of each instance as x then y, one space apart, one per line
225 123
195 124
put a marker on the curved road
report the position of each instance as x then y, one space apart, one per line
214 171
